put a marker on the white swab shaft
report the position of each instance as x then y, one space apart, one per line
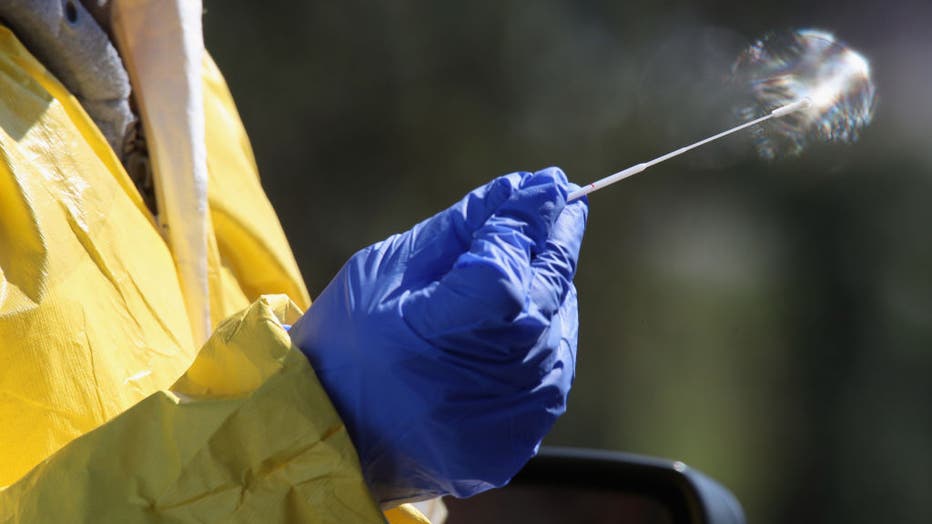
635 169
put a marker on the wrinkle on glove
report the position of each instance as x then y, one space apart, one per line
449 350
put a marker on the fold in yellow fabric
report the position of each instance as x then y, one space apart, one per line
262 444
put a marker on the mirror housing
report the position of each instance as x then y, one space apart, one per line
576 485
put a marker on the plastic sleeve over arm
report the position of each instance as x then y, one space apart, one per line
246 435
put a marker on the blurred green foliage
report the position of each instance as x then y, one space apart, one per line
768 323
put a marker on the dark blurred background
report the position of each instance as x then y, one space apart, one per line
766 322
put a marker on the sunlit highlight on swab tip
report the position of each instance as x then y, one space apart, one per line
806 63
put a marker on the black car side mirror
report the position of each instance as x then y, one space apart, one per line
564 485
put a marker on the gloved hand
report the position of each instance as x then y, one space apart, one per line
449 350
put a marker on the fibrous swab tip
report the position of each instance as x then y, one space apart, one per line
799 105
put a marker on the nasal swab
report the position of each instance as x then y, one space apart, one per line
799 105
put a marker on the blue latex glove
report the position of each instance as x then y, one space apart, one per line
449 350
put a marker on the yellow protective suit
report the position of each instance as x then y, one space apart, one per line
108 411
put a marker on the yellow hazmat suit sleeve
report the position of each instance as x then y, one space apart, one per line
259 445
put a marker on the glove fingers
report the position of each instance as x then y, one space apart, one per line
488 286
555 266
437 242
534 208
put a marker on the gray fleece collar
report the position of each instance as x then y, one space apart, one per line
65 37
